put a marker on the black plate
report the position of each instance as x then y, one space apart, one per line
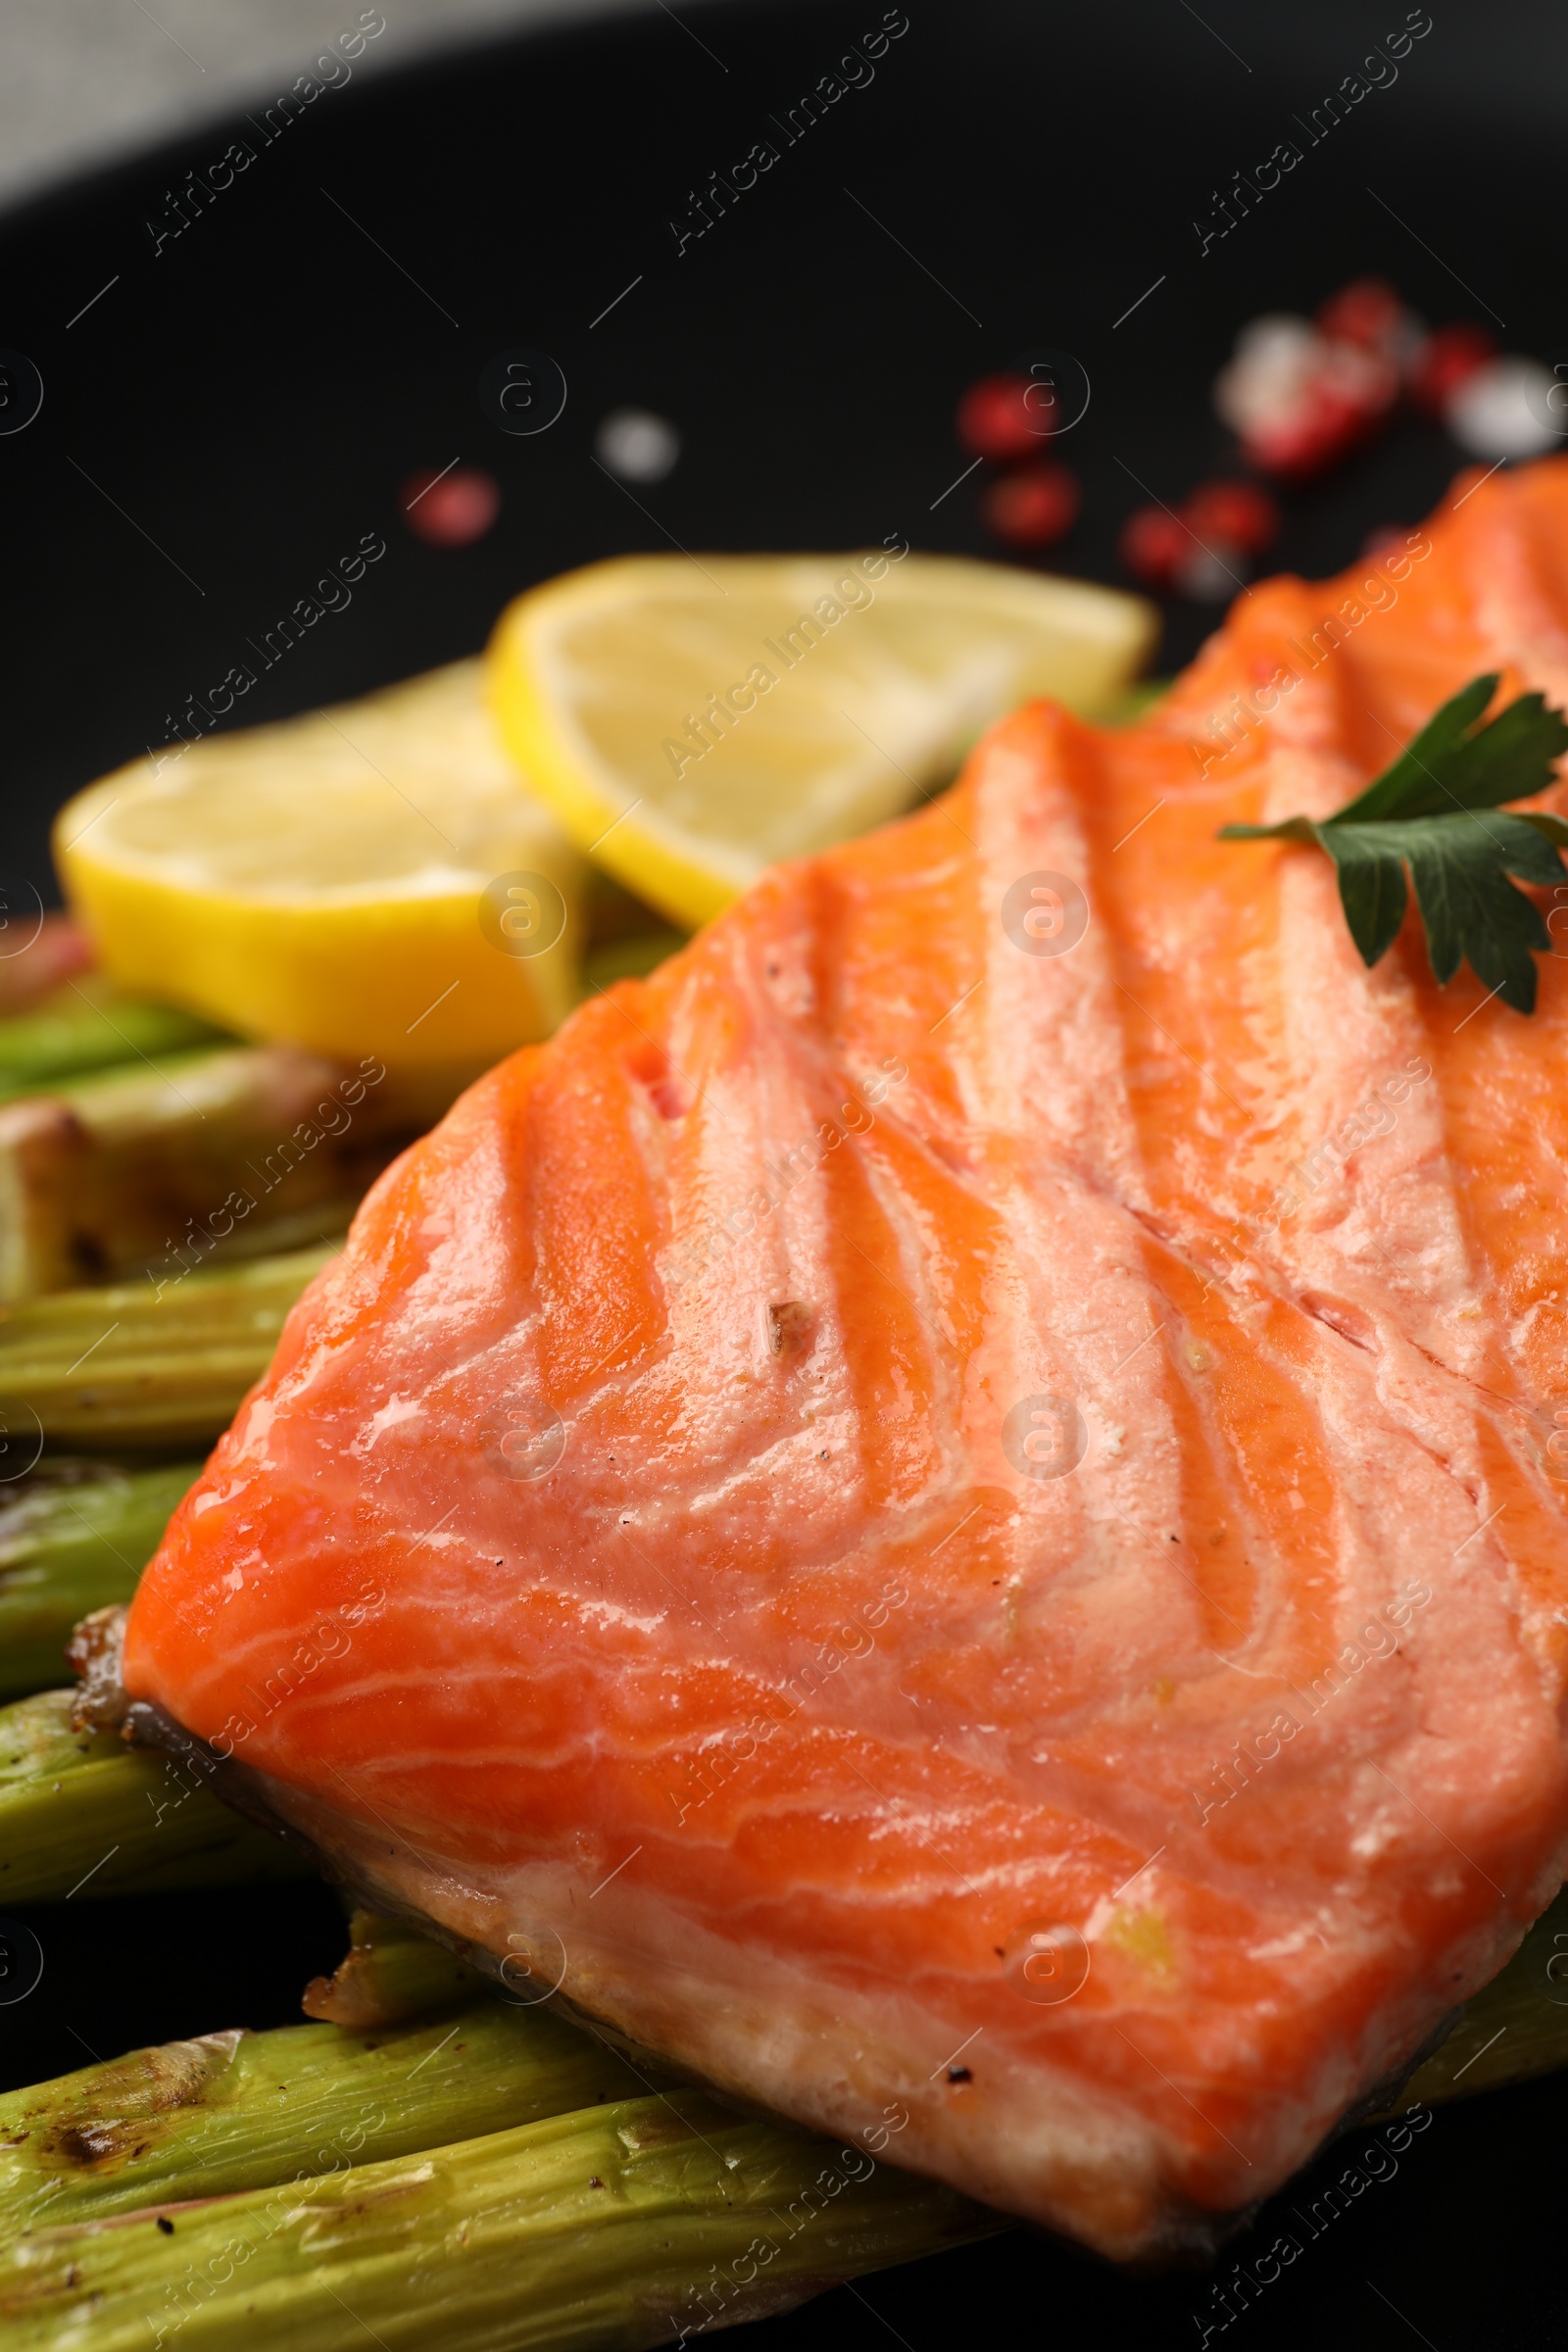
243 400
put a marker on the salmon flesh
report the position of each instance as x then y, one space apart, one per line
951 1511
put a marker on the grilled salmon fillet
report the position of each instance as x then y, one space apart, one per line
949 1512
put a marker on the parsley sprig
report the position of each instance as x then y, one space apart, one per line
1434 810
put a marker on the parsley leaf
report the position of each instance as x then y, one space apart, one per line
1433 811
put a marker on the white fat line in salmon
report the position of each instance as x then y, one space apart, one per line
184 2297
199 1238
723 2288
200 193
706 1773
1377 1115
1380 72
1254 1751
1245 713
786 1170
332 1636
1229 2298
723 713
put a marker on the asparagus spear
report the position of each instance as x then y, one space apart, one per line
631 957
74 1535
1516 2027
90 1024
1136 700
392 1973
237 2111
206 1157
625 2225
120 1366
56 953
81 1814
625 938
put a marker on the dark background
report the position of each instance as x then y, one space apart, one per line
252 398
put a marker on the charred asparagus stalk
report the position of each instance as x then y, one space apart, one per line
625 2225
121 1366
680 2240
204 1158
74 1535
232 2112
81 1815
392 1973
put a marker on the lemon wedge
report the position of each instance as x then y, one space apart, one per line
691 722
372 879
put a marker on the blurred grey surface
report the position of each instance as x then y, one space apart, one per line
84 82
